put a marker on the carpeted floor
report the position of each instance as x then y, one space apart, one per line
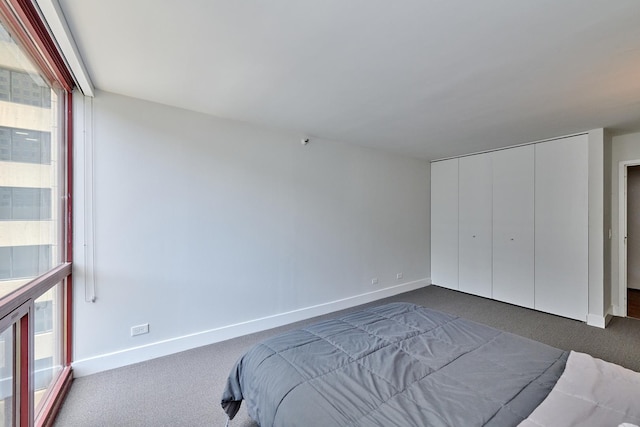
184 389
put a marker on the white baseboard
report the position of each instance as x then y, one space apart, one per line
600 321
618 311
132 355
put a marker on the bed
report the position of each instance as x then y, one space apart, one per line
401 364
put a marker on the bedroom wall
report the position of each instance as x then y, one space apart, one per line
207 228
607 153
597 225
623 148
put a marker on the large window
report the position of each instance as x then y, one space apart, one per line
31 169
35 268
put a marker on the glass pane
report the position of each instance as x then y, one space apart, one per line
31 170
5 263
5 203
30 261
5 139
24 145
5 85
6 377
47 341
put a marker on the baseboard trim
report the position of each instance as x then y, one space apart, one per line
618 311
133 355
600 321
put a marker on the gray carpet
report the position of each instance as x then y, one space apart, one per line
184 389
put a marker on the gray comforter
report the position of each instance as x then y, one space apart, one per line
393 365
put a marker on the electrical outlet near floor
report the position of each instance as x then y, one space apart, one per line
140 329
374 281
399 276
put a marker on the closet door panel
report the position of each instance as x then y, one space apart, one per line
513 226
444 223
475 205
561 227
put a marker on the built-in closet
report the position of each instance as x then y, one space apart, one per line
512 225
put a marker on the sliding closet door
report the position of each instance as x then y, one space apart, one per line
475 204
444 223
561 227
513 221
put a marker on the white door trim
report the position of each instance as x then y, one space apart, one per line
622 233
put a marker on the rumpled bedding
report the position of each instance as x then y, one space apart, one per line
590 393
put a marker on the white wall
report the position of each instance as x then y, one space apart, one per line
207 228
623 148
600 148
600 309
607 153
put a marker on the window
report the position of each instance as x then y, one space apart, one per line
19 86
24 261
25 204
6 377
25 145
29 90
5 84
35 203
44 316
32 182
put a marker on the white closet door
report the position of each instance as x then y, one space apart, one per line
444 223
513 221
475 204
561 227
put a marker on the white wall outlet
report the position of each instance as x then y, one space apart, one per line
140 329
374 281
399 276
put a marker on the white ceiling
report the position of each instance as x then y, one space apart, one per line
428 78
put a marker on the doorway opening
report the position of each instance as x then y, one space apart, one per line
633 241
